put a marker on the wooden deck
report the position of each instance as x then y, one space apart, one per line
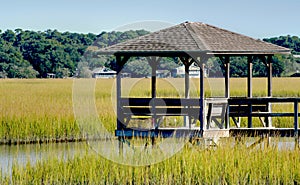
196 132
221 109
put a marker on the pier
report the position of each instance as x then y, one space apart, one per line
195 43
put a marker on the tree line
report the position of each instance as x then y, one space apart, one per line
31 54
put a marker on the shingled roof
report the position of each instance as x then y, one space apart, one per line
195 37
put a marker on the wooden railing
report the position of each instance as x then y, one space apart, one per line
160 106
237 107
260 107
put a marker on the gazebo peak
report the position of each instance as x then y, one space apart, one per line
195 37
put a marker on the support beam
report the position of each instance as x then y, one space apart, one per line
187 63
118 89
226 64
153 65
227 77
153 62
187 81
296 121
187 91
202 105
201 116
120 62
250 116
269 105
249 77
269 76
227 89
249 89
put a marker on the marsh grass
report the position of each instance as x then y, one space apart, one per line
36 109
42 109
227 164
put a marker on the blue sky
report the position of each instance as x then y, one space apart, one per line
256 18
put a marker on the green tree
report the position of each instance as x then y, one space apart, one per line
9 36
83 70
292 42
12 64
138 68
62 72
55 52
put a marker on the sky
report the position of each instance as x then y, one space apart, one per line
255 18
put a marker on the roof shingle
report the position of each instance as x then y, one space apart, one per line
195 37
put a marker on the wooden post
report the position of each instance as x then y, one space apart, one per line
250 116
153 78
269 76
187 64
120 120
202 106
187 81
269 105
249 89
153 62
227 89
153 91
120 117
187 90
227 77
296 123
249 78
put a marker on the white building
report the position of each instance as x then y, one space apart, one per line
296 56
163 74
103 72
194 72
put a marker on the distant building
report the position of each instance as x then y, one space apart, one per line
297 74
103 72
51 75
163 74
296 56
194 72
126 75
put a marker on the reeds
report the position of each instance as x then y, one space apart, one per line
226 164
36 110
42 110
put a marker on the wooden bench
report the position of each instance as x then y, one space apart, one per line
156 108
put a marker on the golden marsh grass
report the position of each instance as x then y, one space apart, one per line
42 109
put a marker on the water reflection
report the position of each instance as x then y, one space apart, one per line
22 154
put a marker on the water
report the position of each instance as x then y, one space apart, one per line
282 143
22 154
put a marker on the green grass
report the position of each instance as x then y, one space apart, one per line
43 110
36 110
192 165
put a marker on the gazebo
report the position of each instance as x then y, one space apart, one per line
195 42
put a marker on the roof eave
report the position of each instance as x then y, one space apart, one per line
270 52
180 53
152 53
